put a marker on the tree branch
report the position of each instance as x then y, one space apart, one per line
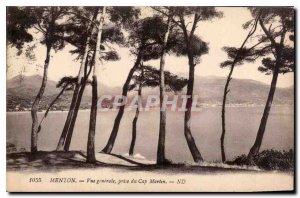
196 18
267 32
167 15
51 104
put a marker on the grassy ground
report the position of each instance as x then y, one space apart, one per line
60 160
204 177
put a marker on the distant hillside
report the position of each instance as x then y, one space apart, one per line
21 91
211 90
242 91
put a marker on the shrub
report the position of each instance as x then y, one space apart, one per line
10 148
269 160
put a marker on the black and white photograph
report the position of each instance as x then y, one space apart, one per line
150 98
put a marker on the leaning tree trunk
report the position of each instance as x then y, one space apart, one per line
187 116
137 112
260 134
93 116
160 158
75 110
64 133
261 130
109 146
51 104
82 86
35 105
226 90
133 138
135 119
76 93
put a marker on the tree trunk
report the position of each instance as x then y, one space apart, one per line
134 122
137 112
93 116
92 127
260 134
187 116
226 91
162 120
75 110
76 95
79 95
190 86
82 68
64 133
67 132
261 130
109 146
35 105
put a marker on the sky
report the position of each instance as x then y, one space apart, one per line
220 32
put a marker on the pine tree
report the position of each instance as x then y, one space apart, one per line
46 21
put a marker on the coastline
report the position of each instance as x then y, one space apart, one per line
205 106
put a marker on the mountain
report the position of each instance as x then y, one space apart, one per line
29 85
21 92
242 91
210 90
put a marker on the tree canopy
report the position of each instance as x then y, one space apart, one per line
151 78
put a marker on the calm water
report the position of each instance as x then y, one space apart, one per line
242 124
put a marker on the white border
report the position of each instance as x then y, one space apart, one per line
153 2
5 3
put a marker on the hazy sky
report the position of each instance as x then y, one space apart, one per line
226 31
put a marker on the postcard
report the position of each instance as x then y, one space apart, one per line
150 99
